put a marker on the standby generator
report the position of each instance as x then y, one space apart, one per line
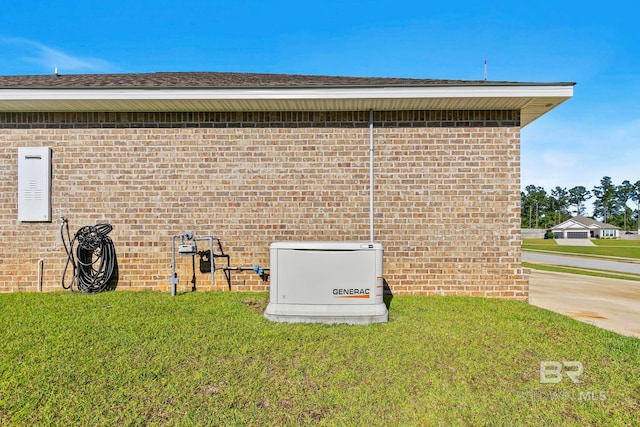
326 282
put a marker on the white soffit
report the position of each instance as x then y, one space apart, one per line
532 100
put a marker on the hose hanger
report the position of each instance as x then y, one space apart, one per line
92 256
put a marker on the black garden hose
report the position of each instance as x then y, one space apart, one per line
93 257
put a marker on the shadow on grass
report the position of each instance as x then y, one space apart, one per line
387 293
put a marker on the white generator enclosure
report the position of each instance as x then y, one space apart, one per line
326 282
34 184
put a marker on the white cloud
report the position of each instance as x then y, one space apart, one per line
49 58
567 155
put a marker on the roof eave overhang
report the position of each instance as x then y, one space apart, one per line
570 225
533 101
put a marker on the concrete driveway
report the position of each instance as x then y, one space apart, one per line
607 303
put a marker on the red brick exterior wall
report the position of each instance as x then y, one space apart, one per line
446 194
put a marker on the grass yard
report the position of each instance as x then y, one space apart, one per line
603 247
544 243
616 243
582 271
124 358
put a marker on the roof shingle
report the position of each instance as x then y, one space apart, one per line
223 80
589 223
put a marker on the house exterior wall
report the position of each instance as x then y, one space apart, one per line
561 232
446 193
607 233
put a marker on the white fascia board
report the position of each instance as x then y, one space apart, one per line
53 94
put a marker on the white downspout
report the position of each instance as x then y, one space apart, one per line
371 176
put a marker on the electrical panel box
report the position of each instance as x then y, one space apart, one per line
34 184
326 282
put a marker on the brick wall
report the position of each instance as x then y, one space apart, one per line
447 193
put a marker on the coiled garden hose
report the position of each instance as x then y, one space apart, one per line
92 255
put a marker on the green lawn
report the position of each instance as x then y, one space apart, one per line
125 358
616 243
545 243
582 271
605 248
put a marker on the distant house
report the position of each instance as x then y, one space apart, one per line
580 227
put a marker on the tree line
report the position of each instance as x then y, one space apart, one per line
544 210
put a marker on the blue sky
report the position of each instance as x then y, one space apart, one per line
592 135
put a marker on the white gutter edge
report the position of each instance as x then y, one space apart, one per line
52 94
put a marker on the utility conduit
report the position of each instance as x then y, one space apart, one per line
371 176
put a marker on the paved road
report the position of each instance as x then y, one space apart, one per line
622 267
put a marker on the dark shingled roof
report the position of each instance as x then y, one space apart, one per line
587 222
221 80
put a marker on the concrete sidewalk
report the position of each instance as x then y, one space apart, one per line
574 242
631 266
607 303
